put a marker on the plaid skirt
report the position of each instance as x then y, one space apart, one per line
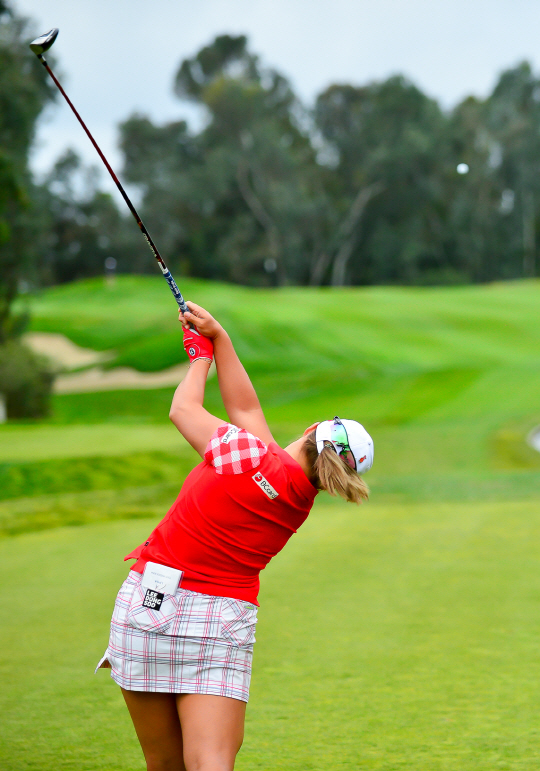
196 643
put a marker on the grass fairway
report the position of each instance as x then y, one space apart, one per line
403 635
31 443
410 642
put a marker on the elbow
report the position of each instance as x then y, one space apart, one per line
180 414
177 413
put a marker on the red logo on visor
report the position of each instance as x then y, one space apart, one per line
362 459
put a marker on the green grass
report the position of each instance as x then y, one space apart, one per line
93 473
27 443
410 641
43 512
410 638
112 406
447 380
375 329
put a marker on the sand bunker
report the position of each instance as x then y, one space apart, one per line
67 355
98 379
63 352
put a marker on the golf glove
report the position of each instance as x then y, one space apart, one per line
197 346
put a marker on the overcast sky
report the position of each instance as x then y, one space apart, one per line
119 56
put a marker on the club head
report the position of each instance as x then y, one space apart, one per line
44 42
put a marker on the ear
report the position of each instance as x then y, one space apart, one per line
311 428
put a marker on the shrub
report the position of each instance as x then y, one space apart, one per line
25 381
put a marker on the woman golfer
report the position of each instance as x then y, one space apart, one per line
183 626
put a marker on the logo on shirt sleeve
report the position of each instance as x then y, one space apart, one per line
226 438
265 486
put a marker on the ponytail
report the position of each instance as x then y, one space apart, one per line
330 472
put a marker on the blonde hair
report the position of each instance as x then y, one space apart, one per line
331 473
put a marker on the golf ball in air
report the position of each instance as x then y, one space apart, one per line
462 168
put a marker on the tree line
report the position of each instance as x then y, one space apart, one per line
372 184
363 187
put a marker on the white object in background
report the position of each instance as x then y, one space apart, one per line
534 438
462 168
3 411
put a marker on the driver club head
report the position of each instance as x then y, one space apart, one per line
44 42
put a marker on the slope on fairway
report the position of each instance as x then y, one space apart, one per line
375 329
447 381
390 637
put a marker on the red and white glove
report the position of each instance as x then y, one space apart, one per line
198 346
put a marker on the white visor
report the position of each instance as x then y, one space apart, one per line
360 442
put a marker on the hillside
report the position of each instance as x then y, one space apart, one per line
447 379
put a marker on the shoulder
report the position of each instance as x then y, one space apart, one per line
233 450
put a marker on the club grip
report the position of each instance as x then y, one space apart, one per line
176 292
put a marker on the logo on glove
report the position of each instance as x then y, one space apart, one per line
203 347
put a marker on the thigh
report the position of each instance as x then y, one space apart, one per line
212 730
156 722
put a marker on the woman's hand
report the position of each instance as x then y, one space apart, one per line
201 319
198 346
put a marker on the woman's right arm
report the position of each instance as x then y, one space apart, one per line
187 413
239 397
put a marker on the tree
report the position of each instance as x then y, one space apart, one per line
388 141
513 117
84 226
363 189
492 211
243 192
24 92
25 381
472 212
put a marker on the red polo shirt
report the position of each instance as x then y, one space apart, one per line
235 511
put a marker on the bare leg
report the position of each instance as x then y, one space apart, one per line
156 722
212 730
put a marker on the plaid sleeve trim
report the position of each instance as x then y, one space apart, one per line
233 450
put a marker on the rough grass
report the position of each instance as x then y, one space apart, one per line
43 512
101 473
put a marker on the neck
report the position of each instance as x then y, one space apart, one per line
296 451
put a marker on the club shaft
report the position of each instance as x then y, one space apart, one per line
164 269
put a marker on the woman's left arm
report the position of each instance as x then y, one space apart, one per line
187 412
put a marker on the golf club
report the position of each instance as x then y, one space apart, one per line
39 46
